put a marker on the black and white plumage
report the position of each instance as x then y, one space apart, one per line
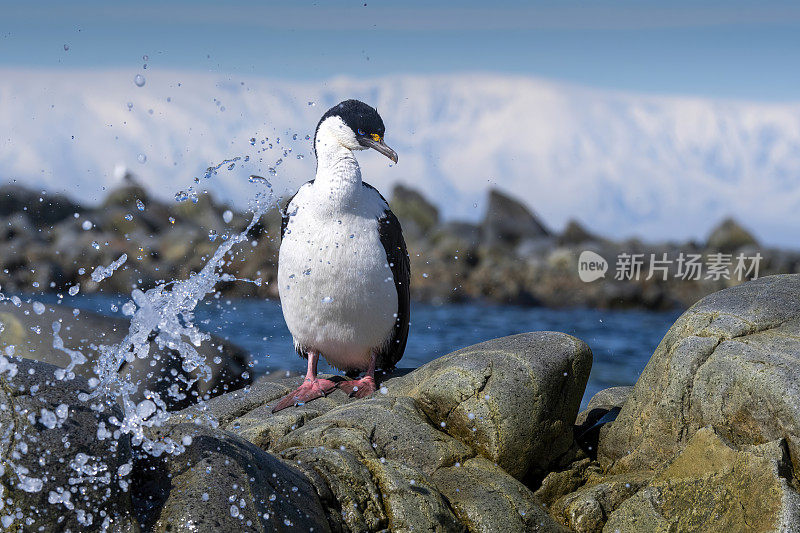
343 267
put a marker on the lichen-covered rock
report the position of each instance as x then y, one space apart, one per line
222 483
466 487
586 509
713 487
58 470
731 362
31 334
437 448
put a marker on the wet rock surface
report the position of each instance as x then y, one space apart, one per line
222 483
59 471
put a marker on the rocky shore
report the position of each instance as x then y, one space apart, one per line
487 438
50 243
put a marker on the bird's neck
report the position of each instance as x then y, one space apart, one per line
338 176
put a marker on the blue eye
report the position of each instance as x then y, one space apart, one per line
360 131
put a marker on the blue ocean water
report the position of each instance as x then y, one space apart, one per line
621 341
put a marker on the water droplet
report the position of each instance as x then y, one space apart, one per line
130 106
311 104
66 47
38 308
145 57
261 180
327 300
139 205
141 158
74 289
227 216
87 225
424 274
139 80
128 217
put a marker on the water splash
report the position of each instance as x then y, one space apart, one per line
164 315
100 273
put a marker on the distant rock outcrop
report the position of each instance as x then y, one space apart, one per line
416 214
509 222
42 209
729 236
576 233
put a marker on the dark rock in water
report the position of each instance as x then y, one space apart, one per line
416 214
222 483
729 236
31 334
53 207
440 448
508 222
60 471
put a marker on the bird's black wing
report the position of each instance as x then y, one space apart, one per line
286 209
391 235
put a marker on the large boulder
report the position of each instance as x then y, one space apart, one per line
509 222
58 469
731 362
29 329
447 447
708 438
469 392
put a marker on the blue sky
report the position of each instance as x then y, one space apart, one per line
727 49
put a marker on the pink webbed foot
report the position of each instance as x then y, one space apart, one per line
309 390
358 388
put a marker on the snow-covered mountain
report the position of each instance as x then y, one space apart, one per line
624 164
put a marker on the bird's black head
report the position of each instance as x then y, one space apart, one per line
364 122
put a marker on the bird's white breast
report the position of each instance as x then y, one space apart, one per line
337 291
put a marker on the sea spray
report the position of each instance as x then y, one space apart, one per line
164 315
